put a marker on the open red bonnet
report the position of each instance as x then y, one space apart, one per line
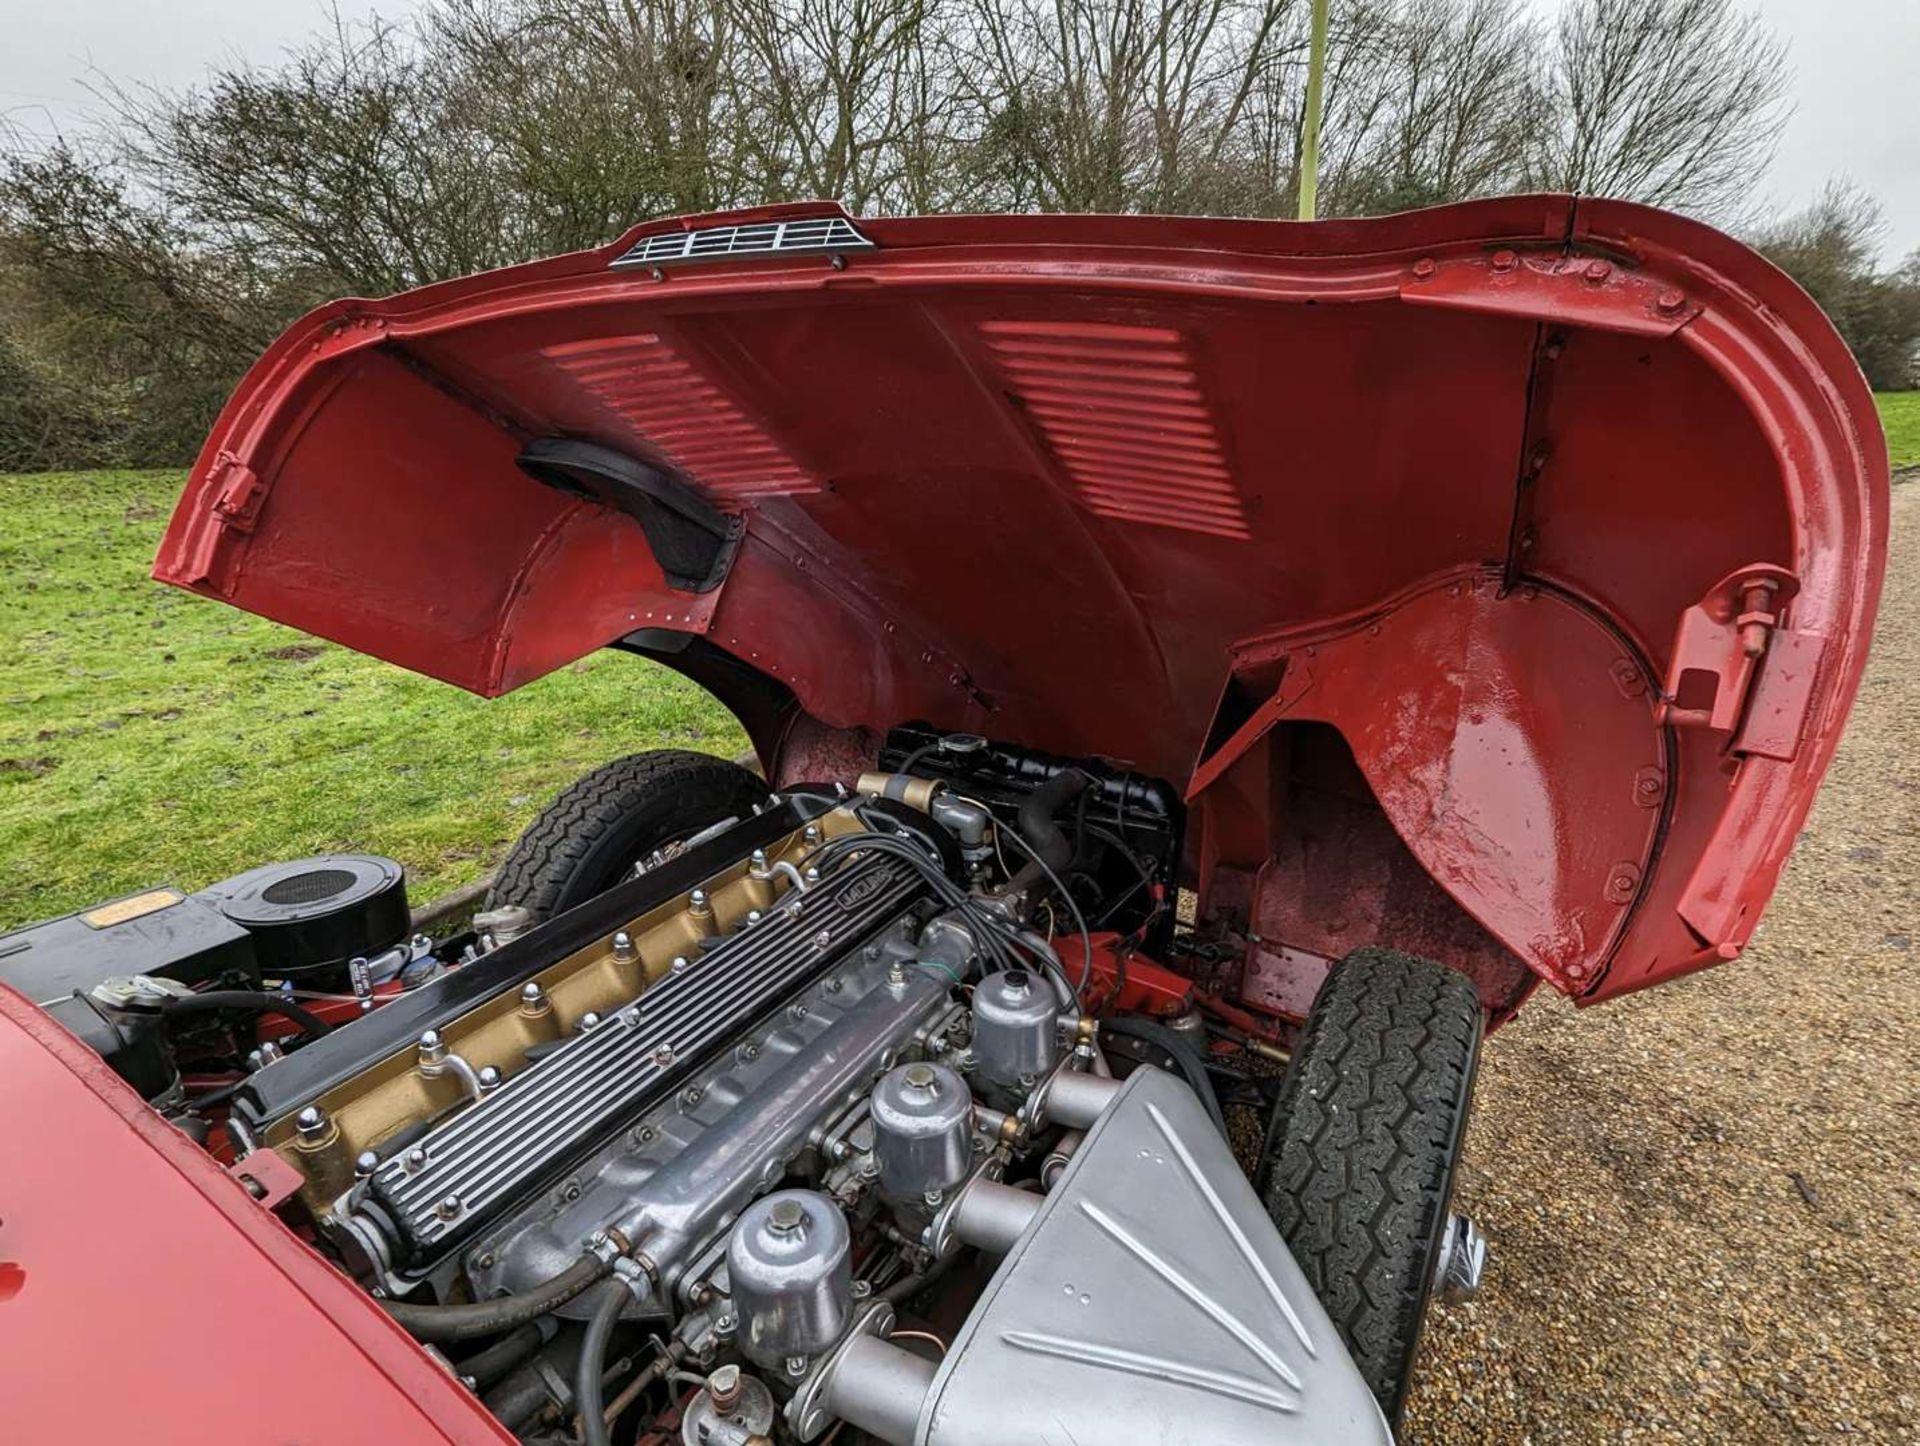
1561 521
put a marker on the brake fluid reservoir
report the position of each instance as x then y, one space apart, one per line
922 1131
1015 1039
790 1271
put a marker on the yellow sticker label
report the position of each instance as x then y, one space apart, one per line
138 907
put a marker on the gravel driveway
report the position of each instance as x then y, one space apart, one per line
1704 1200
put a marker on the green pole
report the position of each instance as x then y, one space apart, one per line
1310 123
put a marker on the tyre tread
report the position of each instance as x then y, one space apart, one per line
1359 1166
546 859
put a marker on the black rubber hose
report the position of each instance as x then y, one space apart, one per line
1050 842
1073 907
589 1399
1182 1053
489 1365
258 1001
464 1322
912 759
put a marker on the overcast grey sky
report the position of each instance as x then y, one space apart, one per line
1856 63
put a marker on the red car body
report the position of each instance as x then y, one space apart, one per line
134 1271
1494 580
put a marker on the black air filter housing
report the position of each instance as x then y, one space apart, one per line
309 917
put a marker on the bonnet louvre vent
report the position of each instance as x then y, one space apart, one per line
1122 410
735 243
682 416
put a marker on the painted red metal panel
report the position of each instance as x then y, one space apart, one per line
1495 732
1575 291
1063 464
672 409
134 1272
1124 413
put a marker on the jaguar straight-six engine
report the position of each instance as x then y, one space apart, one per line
805 1129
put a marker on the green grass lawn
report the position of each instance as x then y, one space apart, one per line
1900 415
150 736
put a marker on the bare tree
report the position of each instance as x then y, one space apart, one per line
1832 249
1448 109
1674 102
1091 105
339 163
833 95
600 111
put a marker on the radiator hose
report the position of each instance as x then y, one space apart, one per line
493 1363
1036 813
484 1317
1050 845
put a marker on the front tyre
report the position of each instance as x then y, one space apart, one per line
620 815
1359 1164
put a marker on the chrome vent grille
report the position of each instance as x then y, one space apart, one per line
736 243
1122 410
684 417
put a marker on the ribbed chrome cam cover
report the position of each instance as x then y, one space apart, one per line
489 1154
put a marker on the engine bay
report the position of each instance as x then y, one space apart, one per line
831 1121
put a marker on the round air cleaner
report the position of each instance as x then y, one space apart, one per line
309 917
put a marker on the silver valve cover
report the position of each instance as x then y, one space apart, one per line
435 1197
